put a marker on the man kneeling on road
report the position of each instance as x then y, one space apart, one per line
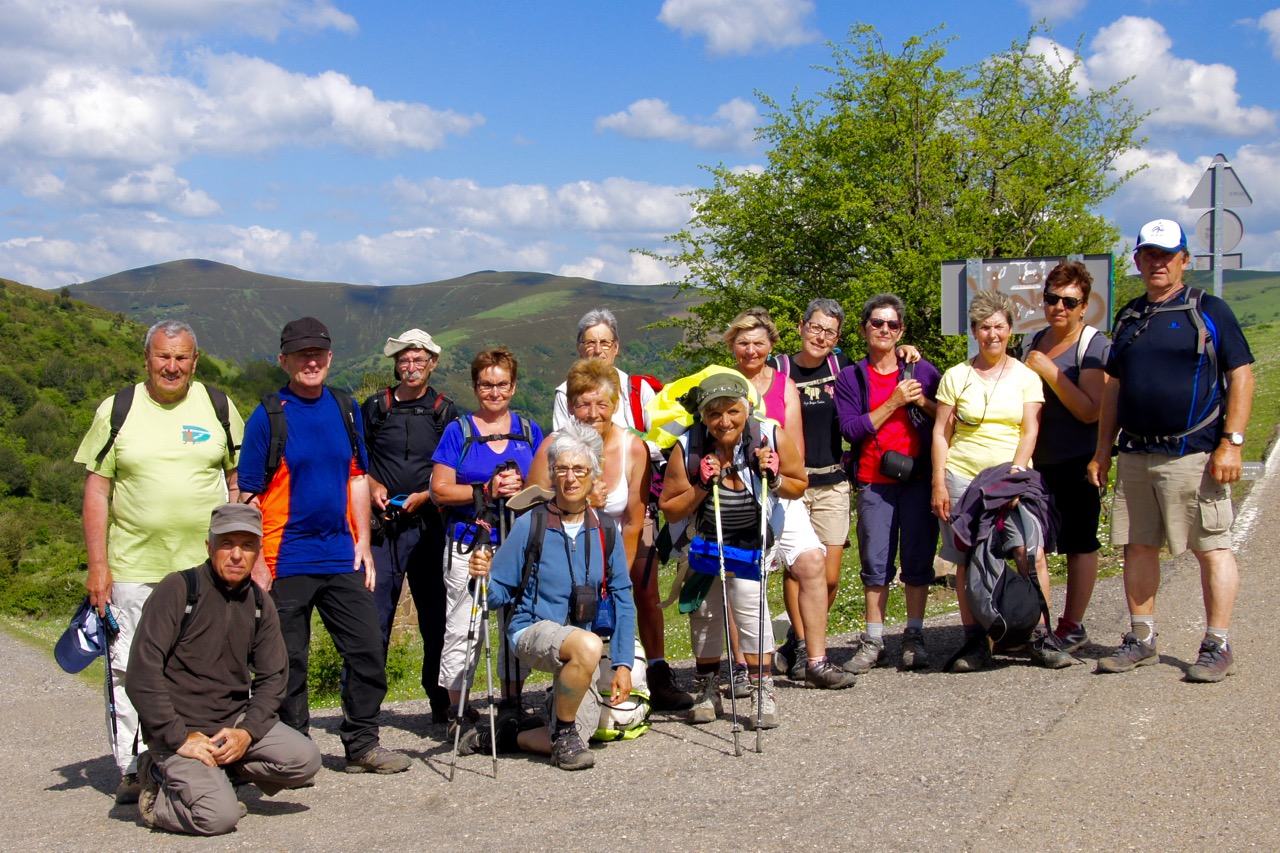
207 676
556 600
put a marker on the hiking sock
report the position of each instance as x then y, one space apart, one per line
917 624
1219 634
875 630
815 661
561 728
1144 627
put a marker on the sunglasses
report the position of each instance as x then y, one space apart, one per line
880 323
1072 302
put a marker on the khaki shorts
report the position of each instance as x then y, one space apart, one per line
539 648
1170 500
828 508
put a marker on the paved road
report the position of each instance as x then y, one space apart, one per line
1013 758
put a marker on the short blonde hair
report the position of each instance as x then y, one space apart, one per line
591 374
988 302
752 318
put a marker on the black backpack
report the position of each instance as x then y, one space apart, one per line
1006 599
279 428
383 409
123 402
522 432
193 597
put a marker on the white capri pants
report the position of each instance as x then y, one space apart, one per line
453 657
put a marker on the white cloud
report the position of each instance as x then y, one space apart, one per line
160 187
1184 93
741 26
1270 24
1053 10
734 124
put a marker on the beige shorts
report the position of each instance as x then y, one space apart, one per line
538 647
828 508
1170 500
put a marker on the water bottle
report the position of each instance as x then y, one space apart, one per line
1253 470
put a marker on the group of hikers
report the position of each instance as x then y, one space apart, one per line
315 504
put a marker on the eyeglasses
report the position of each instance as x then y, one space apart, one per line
602 346
880 323
1072 302
578 471
500 387
822 332
412 362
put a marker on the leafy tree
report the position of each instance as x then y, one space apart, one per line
899 165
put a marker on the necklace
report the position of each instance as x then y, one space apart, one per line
987 400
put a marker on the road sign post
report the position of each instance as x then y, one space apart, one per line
1220 228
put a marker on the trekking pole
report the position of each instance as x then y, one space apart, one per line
764 538
109 628
488 669
724 594
473 658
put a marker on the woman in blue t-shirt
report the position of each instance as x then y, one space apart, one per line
1070 357
482 460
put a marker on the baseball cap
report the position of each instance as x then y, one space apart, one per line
1162 233
84 639
722 385
235 518
412 339
304 333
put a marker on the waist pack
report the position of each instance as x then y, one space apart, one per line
704 558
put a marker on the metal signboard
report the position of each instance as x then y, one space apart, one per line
1023 279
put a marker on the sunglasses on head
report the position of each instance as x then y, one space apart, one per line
1072 302
880 323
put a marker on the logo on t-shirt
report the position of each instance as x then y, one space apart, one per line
194 434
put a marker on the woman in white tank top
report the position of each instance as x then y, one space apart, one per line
623 490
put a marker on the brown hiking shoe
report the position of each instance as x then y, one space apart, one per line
664 695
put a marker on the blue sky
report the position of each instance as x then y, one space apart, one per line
394 143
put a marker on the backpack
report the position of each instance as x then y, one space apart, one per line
279 428
1082 345
635 384
1004 600
1205 346
383 409
193 597
533 546
630 719
123 402
469 436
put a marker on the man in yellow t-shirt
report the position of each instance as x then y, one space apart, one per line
147 499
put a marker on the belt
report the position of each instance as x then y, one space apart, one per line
826 469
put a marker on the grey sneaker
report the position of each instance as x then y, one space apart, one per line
914 654
148 789
379 760
785 655
866 656
1071 635
765 702
741 684
707 704
1132 653
1214 663
129 788
1045 651
664 695
828 676
568 753
797 669
475 741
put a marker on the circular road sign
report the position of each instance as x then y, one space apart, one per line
1232 230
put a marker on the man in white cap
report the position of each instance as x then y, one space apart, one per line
1179 398
402 427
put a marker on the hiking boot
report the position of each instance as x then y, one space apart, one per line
765 702
707 704
975 660
1045 651
741 684
664 695
827 676
914 654
785 655
1071 635
796 669
129 788
1214 663
475 741
243 808
866 656
1132 653
379 760
148 782
568 753
469 718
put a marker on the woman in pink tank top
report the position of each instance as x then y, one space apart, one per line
751 338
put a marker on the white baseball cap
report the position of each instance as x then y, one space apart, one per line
1163 233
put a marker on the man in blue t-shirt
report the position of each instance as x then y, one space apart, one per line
315 538
1179 398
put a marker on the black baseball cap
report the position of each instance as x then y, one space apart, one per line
304 333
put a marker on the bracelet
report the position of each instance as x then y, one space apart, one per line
1017 468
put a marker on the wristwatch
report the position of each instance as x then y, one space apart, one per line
1235 439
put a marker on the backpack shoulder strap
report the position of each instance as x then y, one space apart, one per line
121 403
532 550
193 597
1082 345
222 408
381 411
347 404
278 434
833 364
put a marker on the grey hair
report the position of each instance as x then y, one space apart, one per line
884 300
827 306
597 317
987 303
576 439
171 329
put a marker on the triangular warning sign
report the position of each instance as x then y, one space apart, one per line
1230 191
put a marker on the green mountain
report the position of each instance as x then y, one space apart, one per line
238 316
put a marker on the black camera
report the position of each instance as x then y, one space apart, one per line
583 602
394 510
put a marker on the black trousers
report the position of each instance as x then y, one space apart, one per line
348 613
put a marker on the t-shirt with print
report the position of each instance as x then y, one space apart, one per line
823 446
989 422
479 464
167 474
